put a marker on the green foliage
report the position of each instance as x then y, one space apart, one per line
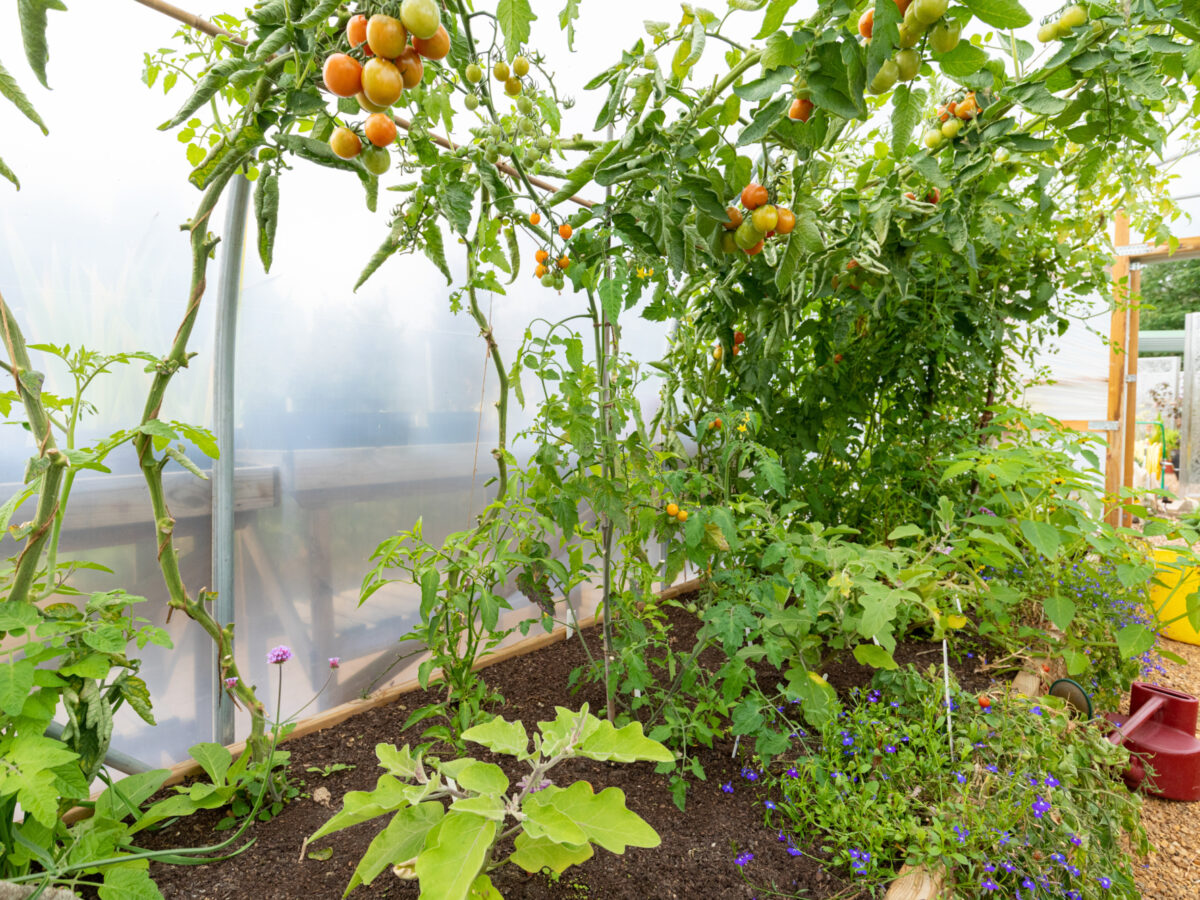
1169 293
1026 792
451 849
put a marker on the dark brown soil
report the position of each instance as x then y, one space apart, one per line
698 846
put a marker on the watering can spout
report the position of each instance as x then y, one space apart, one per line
1160 734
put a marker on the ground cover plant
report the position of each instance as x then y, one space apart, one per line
1017 799
861 224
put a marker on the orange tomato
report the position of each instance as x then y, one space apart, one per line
343 75
564 231
386 36
563 261
753 196
672 510
435 47
412 70
345 143
382 82
787 221
753 251
356 30
801 109
535 218
866 23
380 129
735 218
541 256
540 270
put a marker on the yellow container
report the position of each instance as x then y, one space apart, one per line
1181 630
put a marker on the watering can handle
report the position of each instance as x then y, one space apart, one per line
1148 709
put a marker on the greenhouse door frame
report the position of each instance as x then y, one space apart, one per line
1128 261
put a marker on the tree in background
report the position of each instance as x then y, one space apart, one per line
1169 292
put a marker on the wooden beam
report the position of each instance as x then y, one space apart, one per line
1149 253
1131 370
1113 461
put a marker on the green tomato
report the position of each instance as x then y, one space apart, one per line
928 11
526 126
933 138
909 64
885 77
472 102
1072 17
912 23
547 280
474 73
747 235
543 143
909 37
945 36
421 17
525 105
491 154
729 242
951 127
1048 32
376 159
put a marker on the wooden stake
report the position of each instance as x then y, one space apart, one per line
1118 332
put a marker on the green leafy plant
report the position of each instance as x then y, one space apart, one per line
1026 795
451 849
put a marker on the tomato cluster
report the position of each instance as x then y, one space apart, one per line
393 64
920 16
1057 29
748 232
550 272
952 117
674 512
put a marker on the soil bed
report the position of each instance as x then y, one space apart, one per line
698 846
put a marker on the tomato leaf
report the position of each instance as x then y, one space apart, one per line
764 120
1059 610
436 251
10 89
514 18
1000 13
9 174
566 21
774 17
215 79
32 15
884 36
266 213
907 105
965 59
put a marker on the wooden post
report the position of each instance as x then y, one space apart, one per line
1131 370
1113 458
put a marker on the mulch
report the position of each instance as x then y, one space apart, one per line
698 845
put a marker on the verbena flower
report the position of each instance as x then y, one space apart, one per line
231 683
279 655
335 662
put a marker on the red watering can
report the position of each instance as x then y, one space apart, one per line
1160 733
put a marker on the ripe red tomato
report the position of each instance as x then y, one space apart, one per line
343 75
753 196
386 36
380 129
356 30
436 47
739 337
753 251
984 701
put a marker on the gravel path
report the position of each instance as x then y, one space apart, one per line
1174 871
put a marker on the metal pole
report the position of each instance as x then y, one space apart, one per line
233 241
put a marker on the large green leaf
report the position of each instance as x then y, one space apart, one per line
764 120
1059 610
266 214
16 681
483 778
399 842
907 106
536 853
1043 536
965 59
627 744
455 852
359 806
131 882
214 760
602 817
32 16
10 89
500 736
1133 640
874 656
1000 13
514 17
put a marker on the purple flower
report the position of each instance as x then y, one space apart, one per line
742 858
727 787
1041 806
988 885
769 804
1076 840
749 774
279 655
792 851
1105 882
1037 710
231 683
335 662
1051 781
792 773
890 748
533 789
